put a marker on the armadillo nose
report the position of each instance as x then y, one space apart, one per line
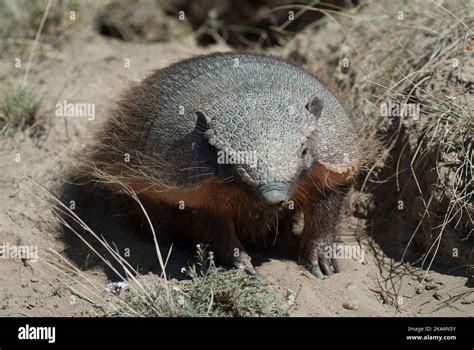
274 194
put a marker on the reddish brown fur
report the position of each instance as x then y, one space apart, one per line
232 204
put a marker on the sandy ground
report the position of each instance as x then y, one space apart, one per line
91 69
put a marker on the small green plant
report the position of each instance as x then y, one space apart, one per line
214 291
210 291
19 109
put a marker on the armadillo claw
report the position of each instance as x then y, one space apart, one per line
324 267
316 270
314 257
335 265
243 262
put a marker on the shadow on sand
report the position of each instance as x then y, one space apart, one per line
123 226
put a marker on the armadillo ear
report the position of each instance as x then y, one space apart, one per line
202 123
315 106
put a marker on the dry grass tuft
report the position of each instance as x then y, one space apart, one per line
418 57
417 188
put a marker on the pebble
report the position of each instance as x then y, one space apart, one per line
437 296
350 306
376 290
110 58
350 286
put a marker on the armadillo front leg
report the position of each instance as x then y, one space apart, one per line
219 232
319 235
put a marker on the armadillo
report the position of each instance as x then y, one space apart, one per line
234 147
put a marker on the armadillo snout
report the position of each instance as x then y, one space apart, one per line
275 194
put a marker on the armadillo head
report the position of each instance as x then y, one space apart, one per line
263 140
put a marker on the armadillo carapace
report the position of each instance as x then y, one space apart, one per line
234 147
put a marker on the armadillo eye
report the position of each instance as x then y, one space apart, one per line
315 106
